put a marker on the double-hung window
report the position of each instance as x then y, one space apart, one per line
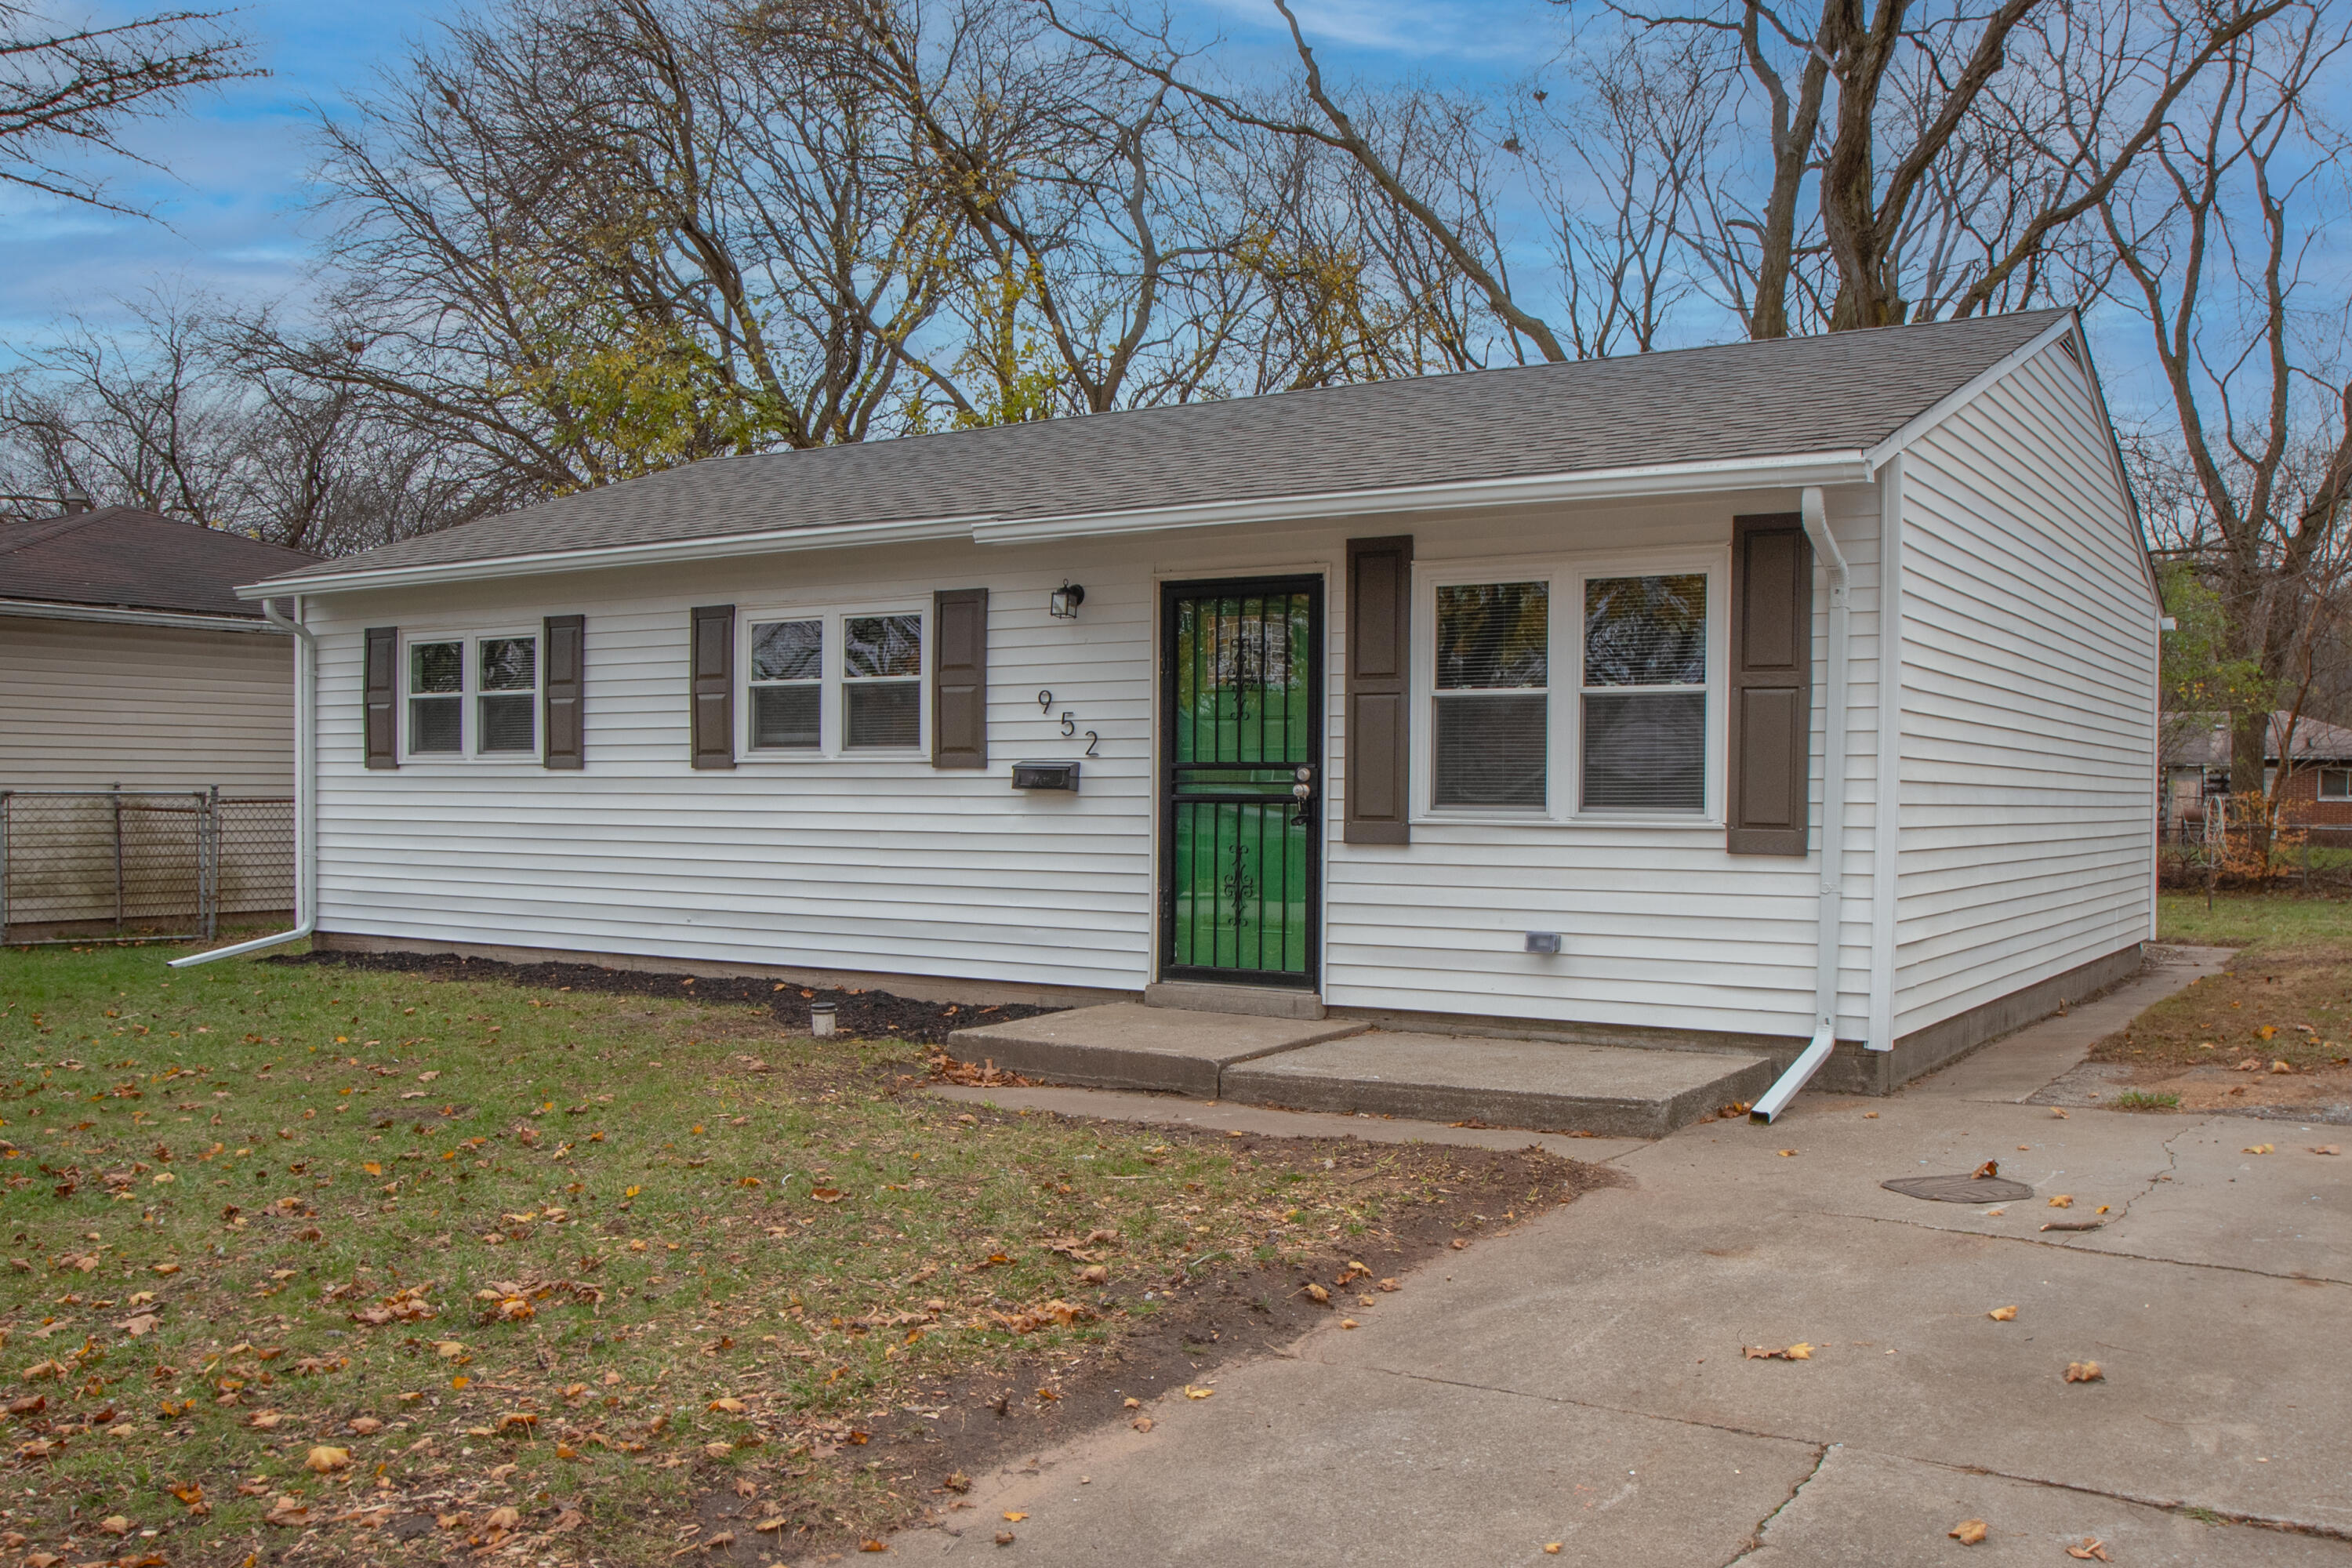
473 696
2336 784
822 684
1644 693
1573 691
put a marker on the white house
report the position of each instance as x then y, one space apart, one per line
1367 697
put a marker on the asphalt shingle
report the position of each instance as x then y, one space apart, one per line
123 557
1749 400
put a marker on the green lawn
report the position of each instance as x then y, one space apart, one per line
2242 919
305 1247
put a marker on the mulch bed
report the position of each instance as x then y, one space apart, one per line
867 1014
1223 1310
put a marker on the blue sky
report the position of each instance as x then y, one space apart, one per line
230 200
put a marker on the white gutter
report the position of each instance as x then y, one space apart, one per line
1825 941
306 793
1786 472
600 555
189 620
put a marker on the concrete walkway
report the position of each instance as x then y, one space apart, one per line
1580 1381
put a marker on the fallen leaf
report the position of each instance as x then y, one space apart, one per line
2327 1148
2259 1149
1968 1532
2059 1115
144 1323
730 1407
1316 1294
2084 1372
366 1425
1013 1518
767 1525
871 1546
115 1524
1193 1393
327 1460
506 1518
825 1195
165 1267
2281 1067
2092 1548
1133 1403
1787 1154
1348 1324
2062 1201
1989 1169
1142 1422
2002 1314
1798 1351
718 1450
1004 1538
1552 1547
263 1420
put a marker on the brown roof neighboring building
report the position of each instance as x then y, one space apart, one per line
124 557
2208 745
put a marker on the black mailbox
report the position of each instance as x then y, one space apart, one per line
1045 775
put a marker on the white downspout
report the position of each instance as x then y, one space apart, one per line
1825 959
305 793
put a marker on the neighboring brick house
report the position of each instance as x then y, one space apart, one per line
2319 773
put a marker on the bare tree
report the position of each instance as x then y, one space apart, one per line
2213 234
73 89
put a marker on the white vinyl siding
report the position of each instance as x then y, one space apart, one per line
2028 766
87 704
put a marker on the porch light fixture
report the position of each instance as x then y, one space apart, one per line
1063 602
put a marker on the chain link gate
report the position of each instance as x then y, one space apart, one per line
150 864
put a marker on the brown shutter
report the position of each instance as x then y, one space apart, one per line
382 702
562 648
959 678
1771 684
1379 647
714 686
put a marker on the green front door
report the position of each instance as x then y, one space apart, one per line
1242 750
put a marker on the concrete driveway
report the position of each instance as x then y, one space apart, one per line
1581 1382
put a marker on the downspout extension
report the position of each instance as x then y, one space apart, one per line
306 793
1826 944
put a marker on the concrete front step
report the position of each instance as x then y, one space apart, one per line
1614 1091
1339 1065
1126 1045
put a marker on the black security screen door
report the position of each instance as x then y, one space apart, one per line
1243 751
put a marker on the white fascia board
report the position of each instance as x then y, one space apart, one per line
185 620
717 546
1794 470
1945 407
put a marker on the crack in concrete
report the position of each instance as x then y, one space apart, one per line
1821 1452
2171 1169
2074 1242
1822 1447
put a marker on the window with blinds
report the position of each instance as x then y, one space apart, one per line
1493 695
1643 694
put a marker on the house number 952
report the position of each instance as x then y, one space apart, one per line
1069 722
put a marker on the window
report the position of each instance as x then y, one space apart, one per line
1573 689
436 702
787 685
881 682
1644 693
822 684
2336 784
498 674
1494 644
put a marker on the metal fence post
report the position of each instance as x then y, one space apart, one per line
114 790
208 861
5 796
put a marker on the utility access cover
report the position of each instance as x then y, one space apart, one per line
1959 1189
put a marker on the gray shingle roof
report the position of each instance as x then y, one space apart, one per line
123 557
1838 392
2194 742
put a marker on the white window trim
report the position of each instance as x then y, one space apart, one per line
1564 675
469 694
832 706
2319 788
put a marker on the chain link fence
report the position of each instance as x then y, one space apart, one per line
78 864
